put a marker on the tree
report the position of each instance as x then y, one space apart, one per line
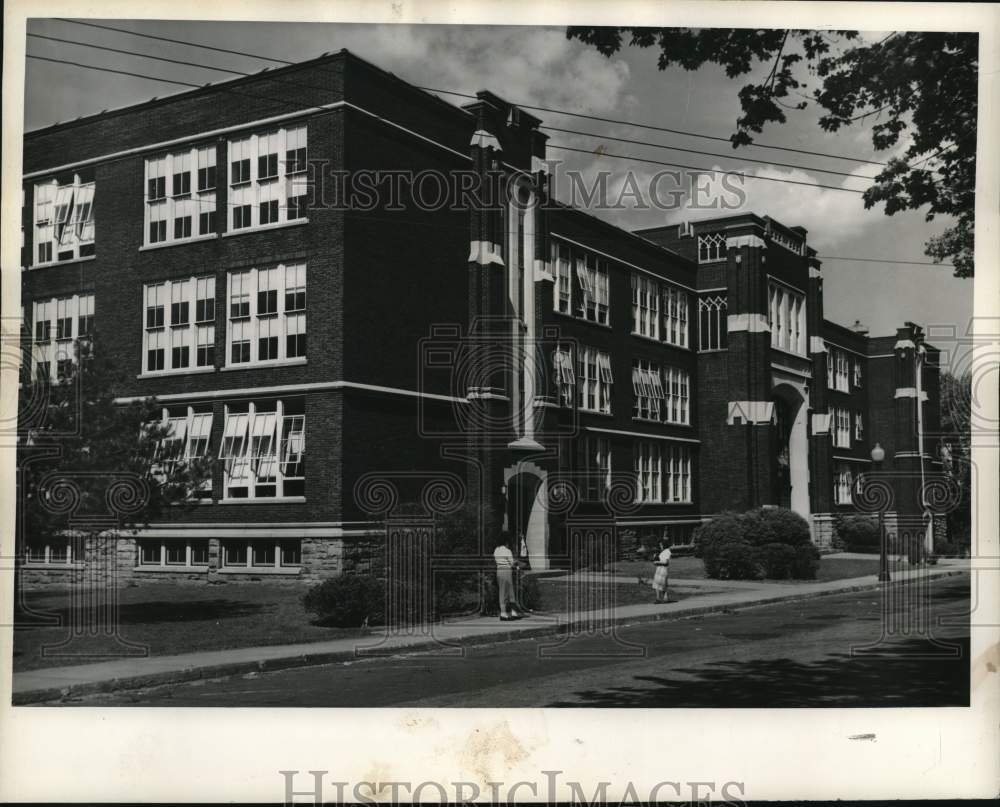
90 467
915 85
956 425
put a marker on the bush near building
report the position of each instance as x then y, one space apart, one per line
767 543
858 533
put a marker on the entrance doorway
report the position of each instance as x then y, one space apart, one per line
791 451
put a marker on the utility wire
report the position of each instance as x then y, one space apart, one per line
633 158
550 128
474 97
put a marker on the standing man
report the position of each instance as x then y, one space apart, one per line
505 577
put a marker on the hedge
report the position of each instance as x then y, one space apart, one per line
767 542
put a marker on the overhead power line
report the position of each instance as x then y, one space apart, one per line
602 153
474 97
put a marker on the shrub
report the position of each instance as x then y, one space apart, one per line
805 562
732 559
858 533
724 527
682 550
776 560
347 601
782 526
948 549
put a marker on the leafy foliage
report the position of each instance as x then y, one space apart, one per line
858 533
347 601
917 88
88 463
956 424
766 542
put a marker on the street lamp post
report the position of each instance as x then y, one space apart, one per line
878 454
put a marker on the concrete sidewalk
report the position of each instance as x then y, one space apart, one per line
36 686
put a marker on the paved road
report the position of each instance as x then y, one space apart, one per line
789 655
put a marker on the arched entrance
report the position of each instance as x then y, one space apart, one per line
526 516
791 454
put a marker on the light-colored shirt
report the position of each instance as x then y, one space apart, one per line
664 557
504 557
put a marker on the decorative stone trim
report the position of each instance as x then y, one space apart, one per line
814 272
821 423
485 140
751 412
538 165
904 344
542 271
906 392
754 323
816 344
484 253
737 241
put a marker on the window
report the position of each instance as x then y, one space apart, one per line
594 388
595 463
843 482
711 247
592 278
267 316
56 551
562 300
263 449
189 209
841 427
837 370
858 372
675 316
263 553
172 340
173 552
662 471
592 286
645 307
648 389
677 407
712 323
188 431
64 220
859 426
267 178
565 378
52 361
787 319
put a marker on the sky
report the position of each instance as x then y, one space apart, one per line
539 66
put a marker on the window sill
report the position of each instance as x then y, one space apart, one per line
52 567
661 422
584 320
714 350
266 500
594 412
178 242
66 262
264 228
261 570
167 569
658 341
801 356
183 371
253 365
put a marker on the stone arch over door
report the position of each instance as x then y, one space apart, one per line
526 486
791 412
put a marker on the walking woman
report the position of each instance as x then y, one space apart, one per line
661 573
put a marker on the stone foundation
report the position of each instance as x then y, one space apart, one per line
823 531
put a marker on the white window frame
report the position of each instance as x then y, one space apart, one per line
647 388
171 206
676 328
76 235
593 368
858 373
843 483
713 311
282 187
676 459
246 466
841 427
72 555
248 546
565 375
645 306
677 396
286 321
786 318
859 426
711 248
180 333
161 544
595 453
193 426
54 349
562 300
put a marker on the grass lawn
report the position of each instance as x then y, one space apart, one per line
171 618
829 568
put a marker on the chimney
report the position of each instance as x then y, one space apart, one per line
857 327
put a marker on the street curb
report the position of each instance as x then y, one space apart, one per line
187 674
